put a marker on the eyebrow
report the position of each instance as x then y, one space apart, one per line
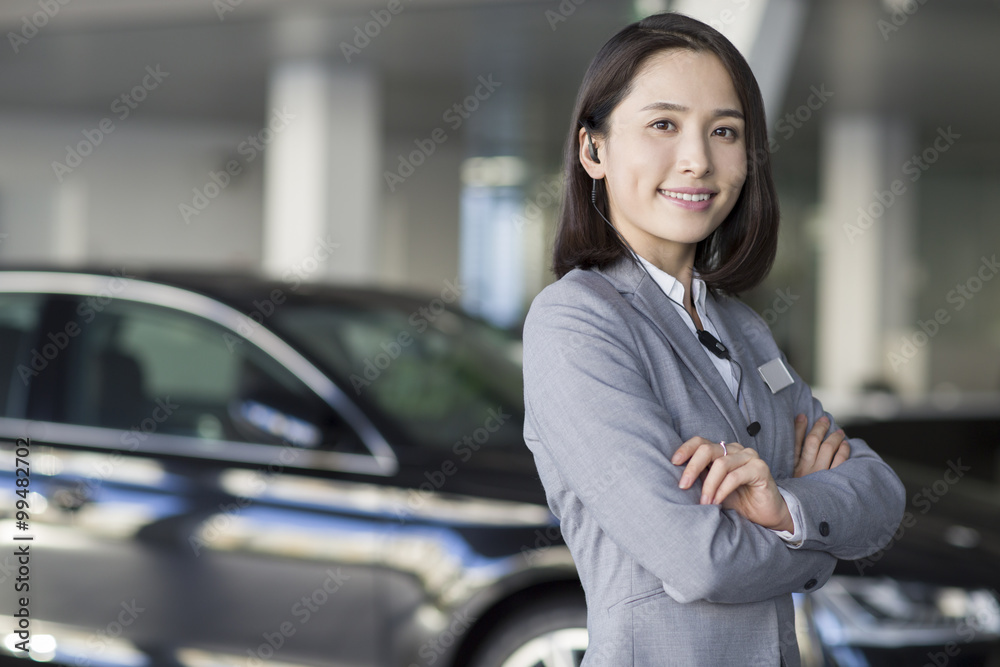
669 106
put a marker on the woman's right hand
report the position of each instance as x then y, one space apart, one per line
736 478
814 453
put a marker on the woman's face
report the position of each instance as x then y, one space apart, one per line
674 158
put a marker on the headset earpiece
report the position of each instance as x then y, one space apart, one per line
593 150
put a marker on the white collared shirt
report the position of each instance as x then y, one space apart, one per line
675 290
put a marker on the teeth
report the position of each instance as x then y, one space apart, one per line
686 197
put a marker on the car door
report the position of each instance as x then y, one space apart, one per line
19 319
198 499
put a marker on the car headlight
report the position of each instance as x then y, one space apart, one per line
883 612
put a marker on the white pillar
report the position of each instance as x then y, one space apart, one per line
865 287
322 172
902 274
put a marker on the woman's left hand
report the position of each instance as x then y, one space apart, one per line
735 477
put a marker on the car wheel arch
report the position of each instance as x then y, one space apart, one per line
502 607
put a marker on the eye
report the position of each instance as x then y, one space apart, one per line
663 125
726 132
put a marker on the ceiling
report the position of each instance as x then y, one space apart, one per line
938 68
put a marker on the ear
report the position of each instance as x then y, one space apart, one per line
593 169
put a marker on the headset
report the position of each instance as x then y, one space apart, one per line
713 344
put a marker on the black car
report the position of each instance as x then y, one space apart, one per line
932 595
221 470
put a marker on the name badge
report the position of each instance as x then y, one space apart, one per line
775 375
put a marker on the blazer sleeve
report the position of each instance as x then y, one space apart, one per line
853 510
592 410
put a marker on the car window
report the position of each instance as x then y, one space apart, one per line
19 315
153 369
440 378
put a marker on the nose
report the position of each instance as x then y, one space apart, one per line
693 156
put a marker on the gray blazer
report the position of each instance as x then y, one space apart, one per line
614 382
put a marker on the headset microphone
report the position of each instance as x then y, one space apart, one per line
713 344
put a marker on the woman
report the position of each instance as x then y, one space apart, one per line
667 428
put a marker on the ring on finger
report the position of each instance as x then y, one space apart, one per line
725 451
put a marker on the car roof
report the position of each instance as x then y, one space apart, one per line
237 288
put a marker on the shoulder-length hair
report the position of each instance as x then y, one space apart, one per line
737 255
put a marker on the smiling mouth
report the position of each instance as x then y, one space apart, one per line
686 196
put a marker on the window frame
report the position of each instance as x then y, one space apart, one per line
380 460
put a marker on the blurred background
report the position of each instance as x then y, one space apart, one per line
417 144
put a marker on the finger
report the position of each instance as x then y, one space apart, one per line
801 422
700 460
843 453
829 448
730 483
745 475
722 468
733 447
684 452
814 439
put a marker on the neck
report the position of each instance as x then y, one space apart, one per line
675 258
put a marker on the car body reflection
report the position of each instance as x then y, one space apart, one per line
315 488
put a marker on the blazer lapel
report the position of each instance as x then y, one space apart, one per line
645 296
752 388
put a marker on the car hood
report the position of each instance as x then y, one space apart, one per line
949 534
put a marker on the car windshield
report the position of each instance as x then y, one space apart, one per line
439 376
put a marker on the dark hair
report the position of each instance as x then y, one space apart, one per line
737 255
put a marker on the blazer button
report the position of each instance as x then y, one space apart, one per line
811 584
824 528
